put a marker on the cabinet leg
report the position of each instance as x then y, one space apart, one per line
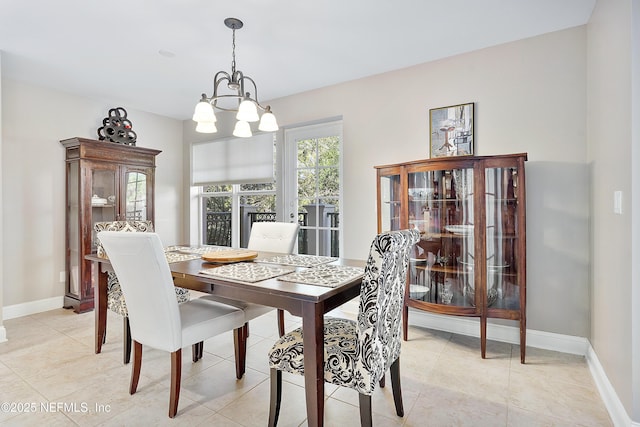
523 339
483 336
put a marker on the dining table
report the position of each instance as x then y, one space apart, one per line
306 286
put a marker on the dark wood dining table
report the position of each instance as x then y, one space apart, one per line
310 302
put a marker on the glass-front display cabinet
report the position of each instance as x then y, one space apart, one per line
106 181
471 257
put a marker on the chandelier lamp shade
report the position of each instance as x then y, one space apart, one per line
242 92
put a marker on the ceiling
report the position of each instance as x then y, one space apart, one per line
160 56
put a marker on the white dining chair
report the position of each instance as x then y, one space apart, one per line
155 317
115 299
278 237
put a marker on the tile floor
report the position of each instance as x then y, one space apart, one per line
48 366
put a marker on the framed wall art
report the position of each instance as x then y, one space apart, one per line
451 130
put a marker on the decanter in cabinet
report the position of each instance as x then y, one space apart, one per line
105 182
471 257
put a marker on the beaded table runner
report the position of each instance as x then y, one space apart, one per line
298 260
330 276
246 272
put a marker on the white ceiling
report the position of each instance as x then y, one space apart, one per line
109 50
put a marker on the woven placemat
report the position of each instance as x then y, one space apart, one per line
330 276
298 260
248 272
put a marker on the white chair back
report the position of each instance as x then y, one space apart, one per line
273 237
139 261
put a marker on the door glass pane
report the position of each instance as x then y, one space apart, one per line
503 289
255 208
136 196
441 266
318 182
217 214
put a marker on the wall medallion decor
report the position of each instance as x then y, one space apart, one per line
117 128
451 130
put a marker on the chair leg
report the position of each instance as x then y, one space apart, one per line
276 396
395 387
176 372
281 322
126 345
365 410
196 351
240 348
135 369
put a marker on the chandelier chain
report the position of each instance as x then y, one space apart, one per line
233 52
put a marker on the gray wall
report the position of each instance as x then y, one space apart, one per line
609 129
530 97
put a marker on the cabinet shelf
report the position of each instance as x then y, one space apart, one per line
456 232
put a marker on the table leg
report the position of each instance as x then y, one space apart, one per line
313 341
100 305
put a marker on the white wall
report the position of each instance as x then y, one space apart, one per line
33 183
530 97
609 155
2 329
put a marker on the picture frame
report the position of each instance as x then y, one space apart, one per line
451 131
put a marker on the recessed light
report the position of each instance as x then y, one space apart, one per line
166 53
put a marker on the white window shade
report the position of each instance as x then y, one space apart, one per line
233 161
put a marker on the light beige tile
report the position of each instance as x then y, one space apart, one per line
49 358
217 386
546 395
252 408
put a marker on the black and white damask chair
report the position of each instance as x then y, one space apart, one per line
115 298
358 353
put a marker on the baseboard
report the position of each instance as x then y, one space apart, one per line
609 396
510 334
32 307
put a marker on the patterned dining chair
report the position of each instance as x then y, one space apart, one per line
115 298
358 353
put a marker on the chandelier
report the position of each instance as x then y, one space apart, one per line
239 89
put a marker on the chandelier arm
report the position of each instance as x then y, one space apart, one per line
219 78
255 91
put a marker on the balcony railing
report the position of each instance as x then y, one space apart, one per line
218 229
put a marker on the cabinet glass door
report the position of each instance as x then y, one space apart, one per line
390 203
103 200
440 206
503 290
136 196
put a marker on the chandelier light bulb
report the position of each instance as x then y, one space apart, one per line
206 127
247 111
204 112
242 129
268 122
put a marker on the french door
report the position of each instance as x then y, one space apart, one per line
313 184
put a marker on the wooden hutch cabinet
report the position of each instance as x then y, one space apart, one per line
471 257
105 182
